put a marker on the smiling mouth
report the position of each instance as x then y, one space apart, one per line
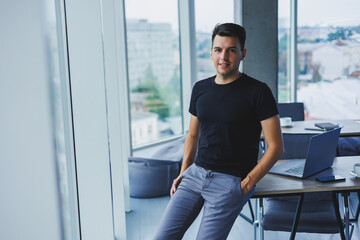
223 65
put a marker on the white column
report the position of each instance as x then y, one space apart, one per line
188 54
91 138
30 205
117 111
123 90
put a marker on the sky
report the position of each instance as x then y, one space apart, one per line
324 12
207 12
210 12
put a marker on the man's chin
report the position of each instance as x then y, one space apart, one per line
226 74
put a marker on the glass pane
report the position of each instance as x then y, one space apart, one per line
154 70
329 58
67 185
207 14
284 51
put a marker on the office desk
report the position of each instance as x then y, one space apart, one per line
350 128
275 185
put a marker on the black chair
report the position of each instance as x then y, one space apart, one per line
294 110
317 209
350 146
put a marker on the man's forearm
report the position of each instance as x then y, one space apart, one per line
268 160
272 133
190 148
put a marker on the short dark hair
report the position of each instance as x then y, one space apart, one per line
230 30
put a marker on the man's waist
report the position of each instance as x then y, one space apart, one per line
238 170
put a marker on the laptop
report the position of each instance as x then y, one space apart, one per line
320 155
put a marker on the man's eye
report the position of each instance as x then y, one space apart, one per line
217 50
233 50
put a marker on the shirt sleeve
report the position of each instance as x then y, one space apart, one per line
192 107
266 106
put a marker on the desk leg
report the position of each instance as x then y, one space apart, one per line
297 216
346 214
337 214
261 217
256 219
356 217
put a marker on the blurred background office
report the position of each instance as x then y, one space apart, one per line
86 84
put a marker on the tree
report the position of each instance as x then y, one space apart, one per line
316 75
283 62
283 42
171 92
154 102
340 34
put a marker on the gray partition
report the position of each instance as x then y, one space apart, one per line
260 20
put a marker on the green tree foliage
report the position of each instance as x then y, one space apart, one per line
170 92
340 34
283 42
154 102
316 75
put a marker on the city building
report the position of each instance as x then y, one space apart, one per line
149 51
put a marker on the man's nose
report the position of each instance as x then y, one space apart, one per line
224 55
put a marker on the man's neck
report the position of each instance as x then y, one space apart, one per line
221 80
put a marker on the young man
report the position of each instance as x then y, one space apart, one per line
228 112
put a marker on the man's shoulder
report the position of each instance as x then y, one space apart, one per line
254 86
252 81
204 82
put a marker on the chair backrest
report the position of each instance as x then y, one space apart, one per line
295 145
294 110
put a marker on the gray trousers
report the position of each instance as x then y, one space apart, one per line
221 196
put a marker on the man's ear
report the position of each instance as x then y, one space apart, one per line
211 53
243 53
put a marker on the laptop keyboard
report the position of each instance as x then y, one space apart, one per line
297 170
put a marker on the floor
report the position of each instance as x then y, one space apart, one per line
146 213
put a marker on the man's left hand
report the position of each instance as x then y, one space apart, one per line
245 188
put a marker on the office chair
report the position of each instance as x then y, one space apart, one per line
294 110
350 146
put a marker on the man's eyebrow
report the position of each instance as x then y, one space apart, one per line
228 47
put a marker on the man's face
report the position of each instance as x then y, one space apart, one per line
226 55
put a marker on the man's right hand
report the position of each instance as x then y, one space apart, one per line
175 184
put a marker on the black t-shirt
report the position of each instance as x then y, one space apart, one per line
230 128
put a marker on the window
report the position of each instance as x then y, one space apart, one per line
284 51
154 70
205 20
327 66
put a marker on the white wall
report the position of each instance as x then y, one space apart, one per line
29 205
